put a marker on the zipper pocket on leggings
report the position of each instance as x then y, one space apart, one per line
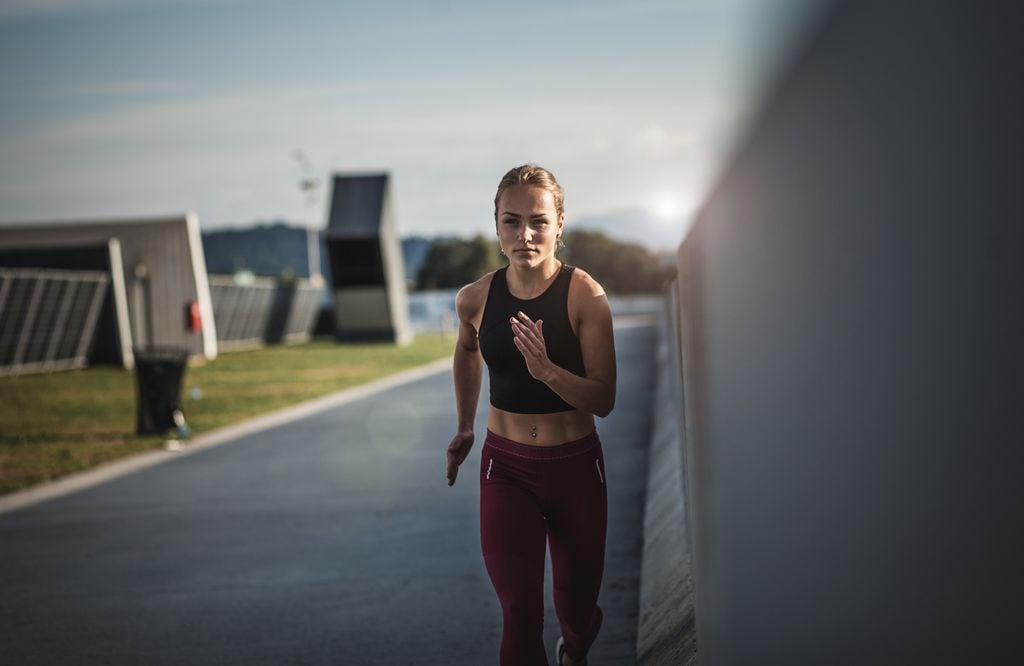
597 463
489 466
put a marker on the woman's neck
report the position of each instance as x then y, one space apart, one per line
527 282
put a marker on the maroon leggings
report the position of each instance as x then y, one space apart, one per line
529 494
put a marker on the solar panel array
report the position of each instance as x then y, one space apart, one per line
246 314
48 318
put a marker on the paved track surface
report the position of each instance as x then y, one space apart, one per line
329 540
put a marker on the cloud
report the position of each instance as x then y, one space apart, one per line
658 140
636 225
25 8
17 9
227 153
139 87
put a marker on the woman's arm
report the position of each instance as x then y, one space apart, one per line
594 393
467 368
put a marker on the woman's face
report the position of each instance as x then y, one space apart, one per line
528 225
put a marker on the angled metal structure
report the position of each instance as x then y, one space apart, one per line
158 289
368 278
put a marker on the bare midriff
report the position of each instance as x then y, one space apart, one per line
540 429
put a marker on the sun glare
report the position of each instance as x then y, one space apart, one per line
669 205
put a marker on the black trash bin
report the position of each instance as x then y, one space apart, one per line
158 375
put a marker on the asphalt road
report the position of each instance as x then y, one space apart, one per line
329 540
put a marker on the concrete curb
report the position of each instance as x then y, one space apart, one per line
666 631
114 469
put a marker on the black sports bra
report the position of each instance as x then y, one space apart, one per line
512 387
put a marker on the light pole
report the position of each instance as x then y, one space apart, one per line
309 186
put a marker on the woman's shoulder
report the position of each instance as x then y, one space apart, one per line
587 300
583 284
471 298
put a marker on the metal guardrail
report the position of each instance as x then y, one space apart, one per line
48 318
262 311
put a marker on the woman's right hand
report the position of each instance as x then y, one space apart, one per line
457 452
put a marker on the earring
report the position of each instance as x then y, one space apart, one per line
559 243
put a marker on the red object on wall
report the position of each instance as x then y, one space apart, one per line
195 320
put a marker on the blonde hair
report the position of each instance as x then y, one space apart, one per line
531 175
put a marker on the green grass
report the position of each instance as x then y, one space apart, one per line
54 424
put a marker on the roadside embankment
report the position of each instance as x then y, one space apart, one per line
666 633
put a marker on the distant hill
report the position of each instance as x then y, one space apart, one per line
275 249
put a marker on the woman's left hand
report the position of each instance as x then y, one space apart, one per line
529 339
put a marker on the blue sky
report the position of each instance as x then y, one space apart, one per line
118 108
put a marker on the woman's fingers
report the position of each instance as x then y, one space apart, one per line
523 327
529 340
519 325
528 353
456 454
527 343
523 320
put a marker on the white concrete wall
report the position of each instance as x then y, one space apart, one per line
852 347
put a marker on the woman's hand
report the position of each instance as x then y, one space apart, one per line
529 339
457 452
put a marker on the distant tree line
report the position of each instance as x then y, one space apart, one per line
439 263
622 268
454 262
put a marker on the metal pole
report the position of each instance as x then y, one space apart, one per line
308 185
313 252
